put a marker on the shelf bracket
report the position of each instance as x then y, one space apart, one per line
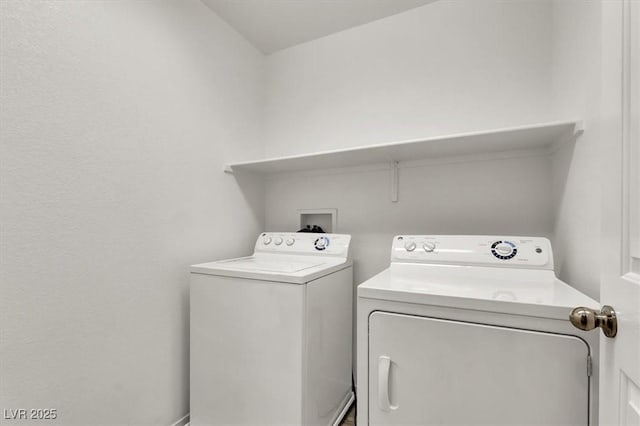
227 169
394 182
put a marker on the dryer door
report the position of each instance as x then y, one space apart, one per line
429 371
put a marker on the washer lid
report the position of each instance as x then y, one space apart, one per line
512 291
259 264
273 267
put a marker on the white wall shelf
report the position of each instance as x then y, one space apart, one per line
539 136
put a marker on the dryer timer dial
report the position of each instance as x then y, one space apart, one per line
504 250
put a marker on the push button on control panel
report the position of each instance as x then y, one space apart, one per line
429 246
410 246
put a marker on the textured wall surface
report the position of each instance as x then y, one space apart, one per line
448 198
116 119
450 66
447 67
576 167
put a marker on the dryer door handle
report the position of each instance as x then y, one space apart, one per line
384 369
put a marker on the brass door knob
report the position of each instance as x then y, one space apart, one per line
588 319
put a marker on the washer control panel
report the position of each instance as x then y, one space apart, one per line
304 243
503 251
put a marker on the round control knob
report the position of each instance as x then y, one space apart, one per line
278 241
410 246
266 240
321 243
429 246
504 249
290 241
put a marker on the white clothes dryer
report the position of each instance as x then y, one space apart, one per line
473 330
271 334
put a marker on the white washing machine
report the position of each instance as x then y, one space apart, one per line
271 334
473 330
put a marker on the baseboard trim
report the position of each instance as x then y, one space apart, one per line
350 398
183 421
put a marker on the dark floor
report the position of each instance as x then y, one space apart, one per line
349 419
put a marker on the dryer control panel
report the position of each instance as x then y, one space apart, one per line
476 250
304 243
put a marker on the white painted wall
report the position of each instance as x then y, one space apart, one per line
273 25
449 66
116 119
576 62
449 198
